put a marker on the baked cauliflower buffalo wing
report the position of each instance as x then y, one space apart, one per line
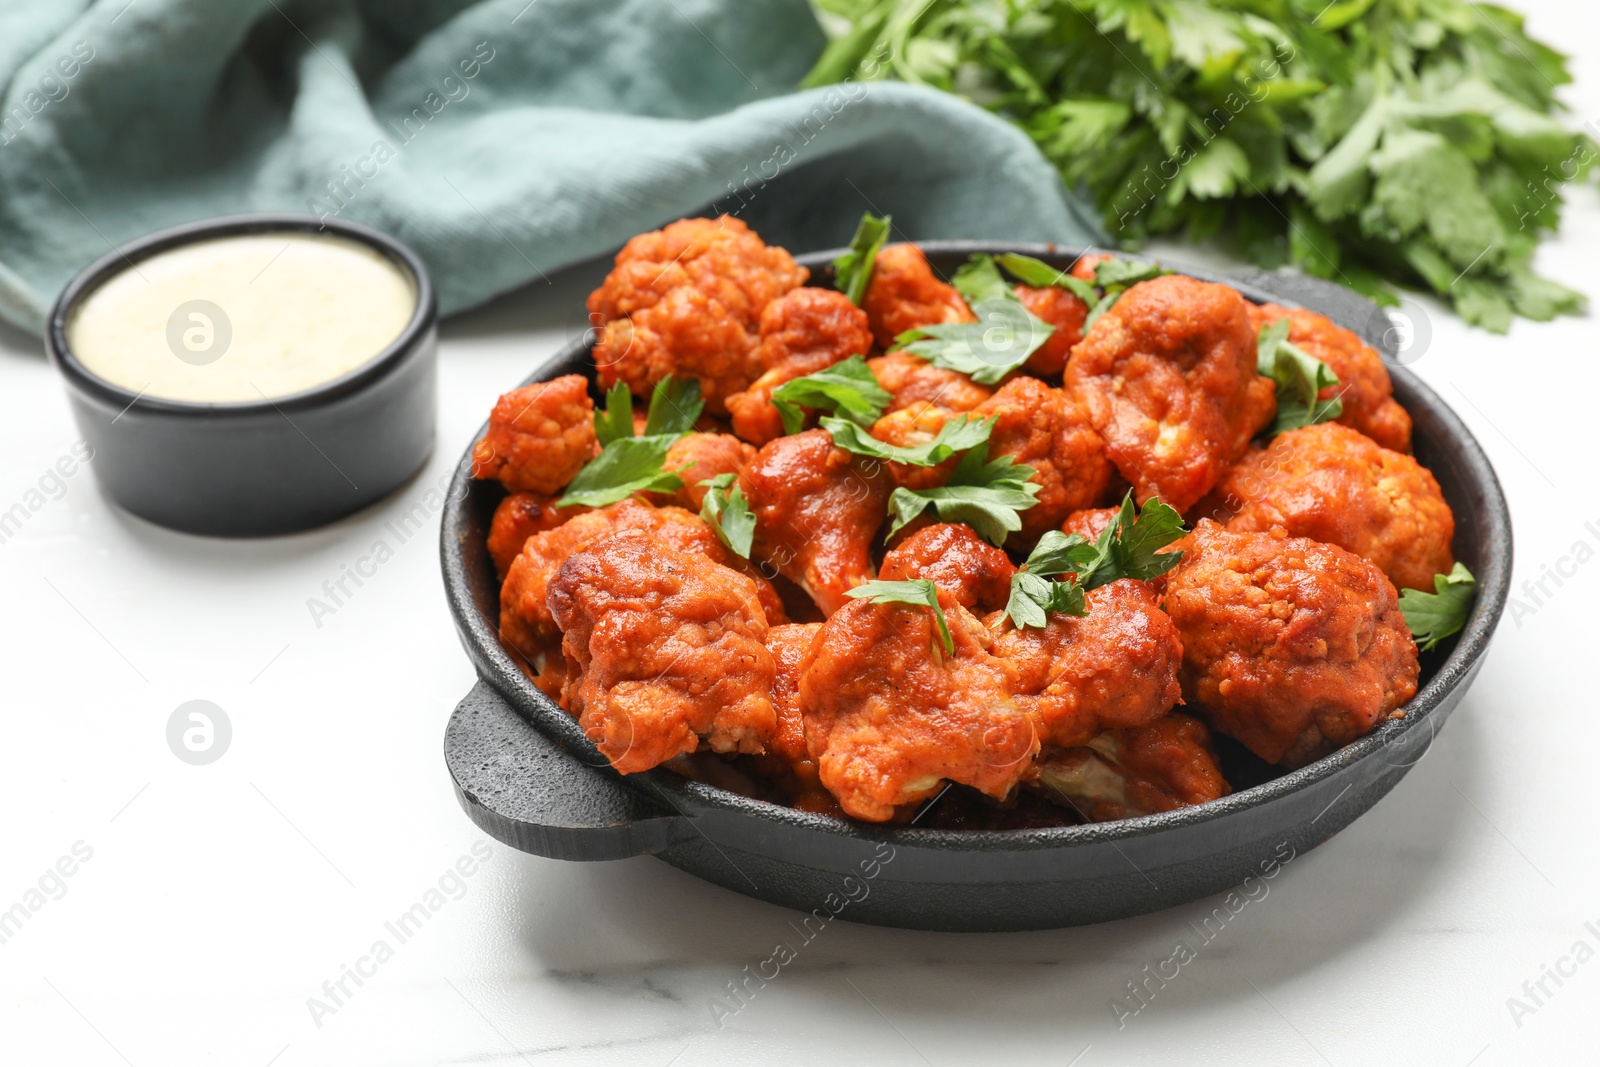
1332 484
1061 310
706 455
1168 375
664 650
687 300
526 622
788 761
1364 387
1292 646
539 436
958 561
912 381
890 716
1116 667
517 518
1049 430
817 510
1121 774
802 332
903 293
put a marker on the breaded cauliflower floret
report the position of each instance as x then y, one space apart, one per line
958 561
526 624
1061 310
664 649
890 716
1291 646
912 381
539 436
817 510
1116 667
1122 774
903 294
517 518
1364 387
686 300
1330 483
706 455
1168 375
1049 430
802 332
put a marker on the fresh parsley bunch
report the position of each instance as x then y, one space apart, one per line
1374 142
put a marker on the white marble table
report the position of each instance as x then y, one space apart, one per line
207 906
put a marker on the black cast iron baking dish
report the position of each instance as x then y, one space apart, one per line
525 773
257 468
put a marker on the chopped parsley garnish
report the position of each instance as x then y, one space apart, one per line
1002 339
1299 378
1127 548
615 420
847 388
984 493
674 407
1122 273
1033 598
919 591
628 464
957 435
1130 546
1041 275
728 513
853 270
978 281
1432 617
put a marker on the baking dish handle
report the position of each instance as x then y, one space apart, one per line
527 791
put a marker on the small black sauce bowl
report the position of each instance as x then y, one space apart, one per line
259 467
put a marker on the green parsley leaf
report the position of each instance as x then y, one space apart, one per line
1351 138
984 351
1061 553
957 435
1040 275
1034 597
978 281
853 270
1299 377
848 388
616 421
728 513
1002 339
674 407
1128 547
1122 273
1432 617
983 493
1100 307
626 466
918 591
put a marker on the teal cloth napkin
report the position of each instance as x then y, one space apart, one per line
500 138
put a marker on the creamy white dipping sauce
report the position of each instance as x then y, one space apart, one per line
243 318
